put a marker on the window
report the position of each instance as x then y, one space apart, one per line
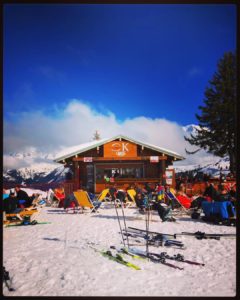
127 171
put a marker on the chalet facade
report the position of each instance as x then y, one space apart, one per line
121 160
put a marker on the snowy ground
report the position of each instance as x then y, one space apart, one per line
56 259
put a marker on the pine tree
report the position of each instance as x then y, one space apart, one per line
217 121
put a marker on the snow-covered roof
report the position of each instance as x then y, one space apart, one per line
71 151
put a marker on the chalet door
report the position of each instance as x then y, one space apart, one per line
90 178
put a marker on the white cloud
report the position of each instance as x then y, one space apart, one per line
77 123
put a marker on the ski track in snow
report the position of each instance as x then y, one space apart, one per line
56 259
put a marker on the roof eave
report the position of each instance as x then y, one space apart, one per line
62 158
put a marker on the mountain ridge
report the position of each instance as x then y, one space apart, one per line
36 167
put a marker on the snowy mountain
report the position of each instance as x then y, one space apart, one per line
213 169
36 167
32 167
202 161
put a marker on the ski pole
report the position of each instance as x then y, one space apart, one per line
124 221
119 221
147 223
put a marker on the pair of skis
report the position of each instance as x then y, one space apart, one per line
163 256
157 258
198 234
154 238
117 257
157 240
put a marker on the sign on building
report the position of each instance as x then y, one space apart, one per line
154 159
120 149
87 159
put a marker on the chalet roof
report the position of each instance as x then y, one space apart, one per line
72 151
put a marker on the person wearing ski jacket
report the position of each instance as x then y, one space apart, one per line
121 195
5 194
210 191
10 203
59 194
22 197
223 194
113 192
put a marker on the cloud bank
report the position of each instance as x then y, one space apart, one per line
76 123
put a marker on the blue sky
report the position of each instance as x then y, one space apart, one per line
132 60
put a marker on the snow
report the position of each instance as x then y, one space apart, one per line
57 259
70 151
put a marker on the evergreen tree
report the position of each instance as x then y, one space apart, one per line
217 121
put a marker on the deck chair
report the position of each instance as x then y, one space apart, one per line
131 193
103 195
22 213
38 201
172 197
49 198
84 200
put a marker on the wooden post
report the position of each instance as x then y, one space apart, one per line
77 173
163 168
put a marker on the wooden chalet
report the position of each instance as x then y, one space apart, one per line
119 159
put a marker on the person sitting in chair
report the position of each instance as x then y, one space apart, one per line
22 197
10 204
59 195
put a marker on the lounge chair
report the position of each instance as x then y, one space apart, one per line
131 193
85 201
103 195
173 198
19 214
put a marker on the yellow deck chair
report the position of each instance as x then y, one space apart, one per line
103 195
131 193
84 200
22 213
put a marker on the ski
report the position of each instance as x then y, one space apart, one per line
202 235
178 257
157 240
156 236
167 235
7 280
28 223
117 258
126 251
154 259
